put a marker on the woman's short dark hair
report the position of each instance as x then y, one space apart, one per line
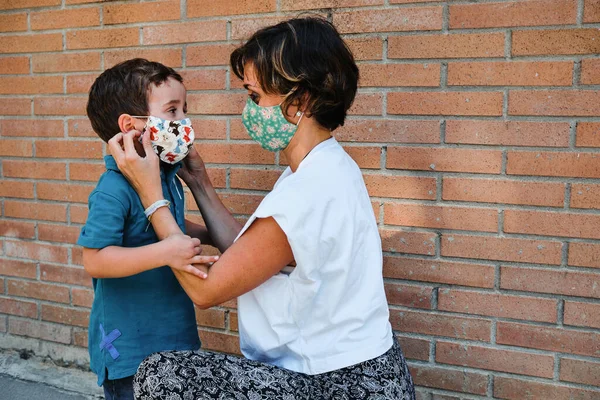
307 58
124 89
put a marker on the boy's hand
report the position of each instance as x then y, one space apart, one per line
184 255
192 168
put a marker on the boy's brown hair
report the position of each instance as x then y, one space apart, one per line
124 89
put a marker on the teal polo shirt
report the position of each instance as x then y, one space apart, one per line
135 316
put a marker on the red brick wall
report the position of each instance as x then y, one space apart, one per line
477 127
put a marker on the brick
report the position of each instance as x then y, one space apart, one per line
101 38
441 325
568 283
445 103
508 133
233 321
401 187
495 359
244 28
189 32
513 389
15 148
32 127
517 13
64 192
585 196
60 105
365 157
80 83
85 171
579 371
58 233
378 75
449 379
69 18
212 318
40 330
3 319
415 349
455 45
555 42
588 134
448 272
141 12
216 103
370 48
15 106
398 241
296 5
502 248
77 257
389 20
78 214
36 251
14 65
240 203
444 159
234 153
220 342
549 338
510 73
209 54
253 179
80 128
31 85
367 104
205 8
13 22
551 194
170 57
67 316
31 43
17 229
552 224
589 71
68 149
41 211
17 189
80 337
413 296
209 79
70 62
591 11
18 307
582 314
14 4
389 131
82 297
554 102
498 305
38 290
576 164
584 254
21 269
441 217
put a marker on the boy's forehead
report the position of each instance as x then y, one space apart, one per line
168 92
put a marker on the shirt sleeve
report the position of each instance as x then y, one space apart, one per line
105 222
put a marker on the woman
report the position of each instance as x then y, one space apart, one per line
320 331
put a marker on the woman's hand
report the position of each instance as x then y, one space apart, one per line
193 168
184 255
143 173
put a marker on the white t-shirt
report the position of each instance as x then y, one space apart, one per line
330 312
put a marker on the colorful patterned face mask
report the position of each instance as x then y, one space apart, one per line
171 140
268 126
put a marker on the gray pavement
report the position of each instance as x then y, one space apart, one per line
14 389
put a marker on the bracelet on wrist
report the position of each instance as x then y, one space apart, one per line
155 206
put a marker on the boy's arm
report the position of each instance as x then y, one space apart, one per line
178 251
199 232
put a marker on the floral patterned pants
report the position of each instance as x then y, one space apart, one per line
195 375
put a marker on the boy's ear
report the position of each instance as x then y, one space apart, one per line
127 123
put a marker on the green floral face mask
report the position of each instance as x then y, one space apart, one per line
268 126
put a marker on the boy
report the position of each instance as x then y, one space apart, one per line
139 307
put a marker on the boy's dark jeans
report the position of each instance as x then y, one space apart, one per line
118 389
